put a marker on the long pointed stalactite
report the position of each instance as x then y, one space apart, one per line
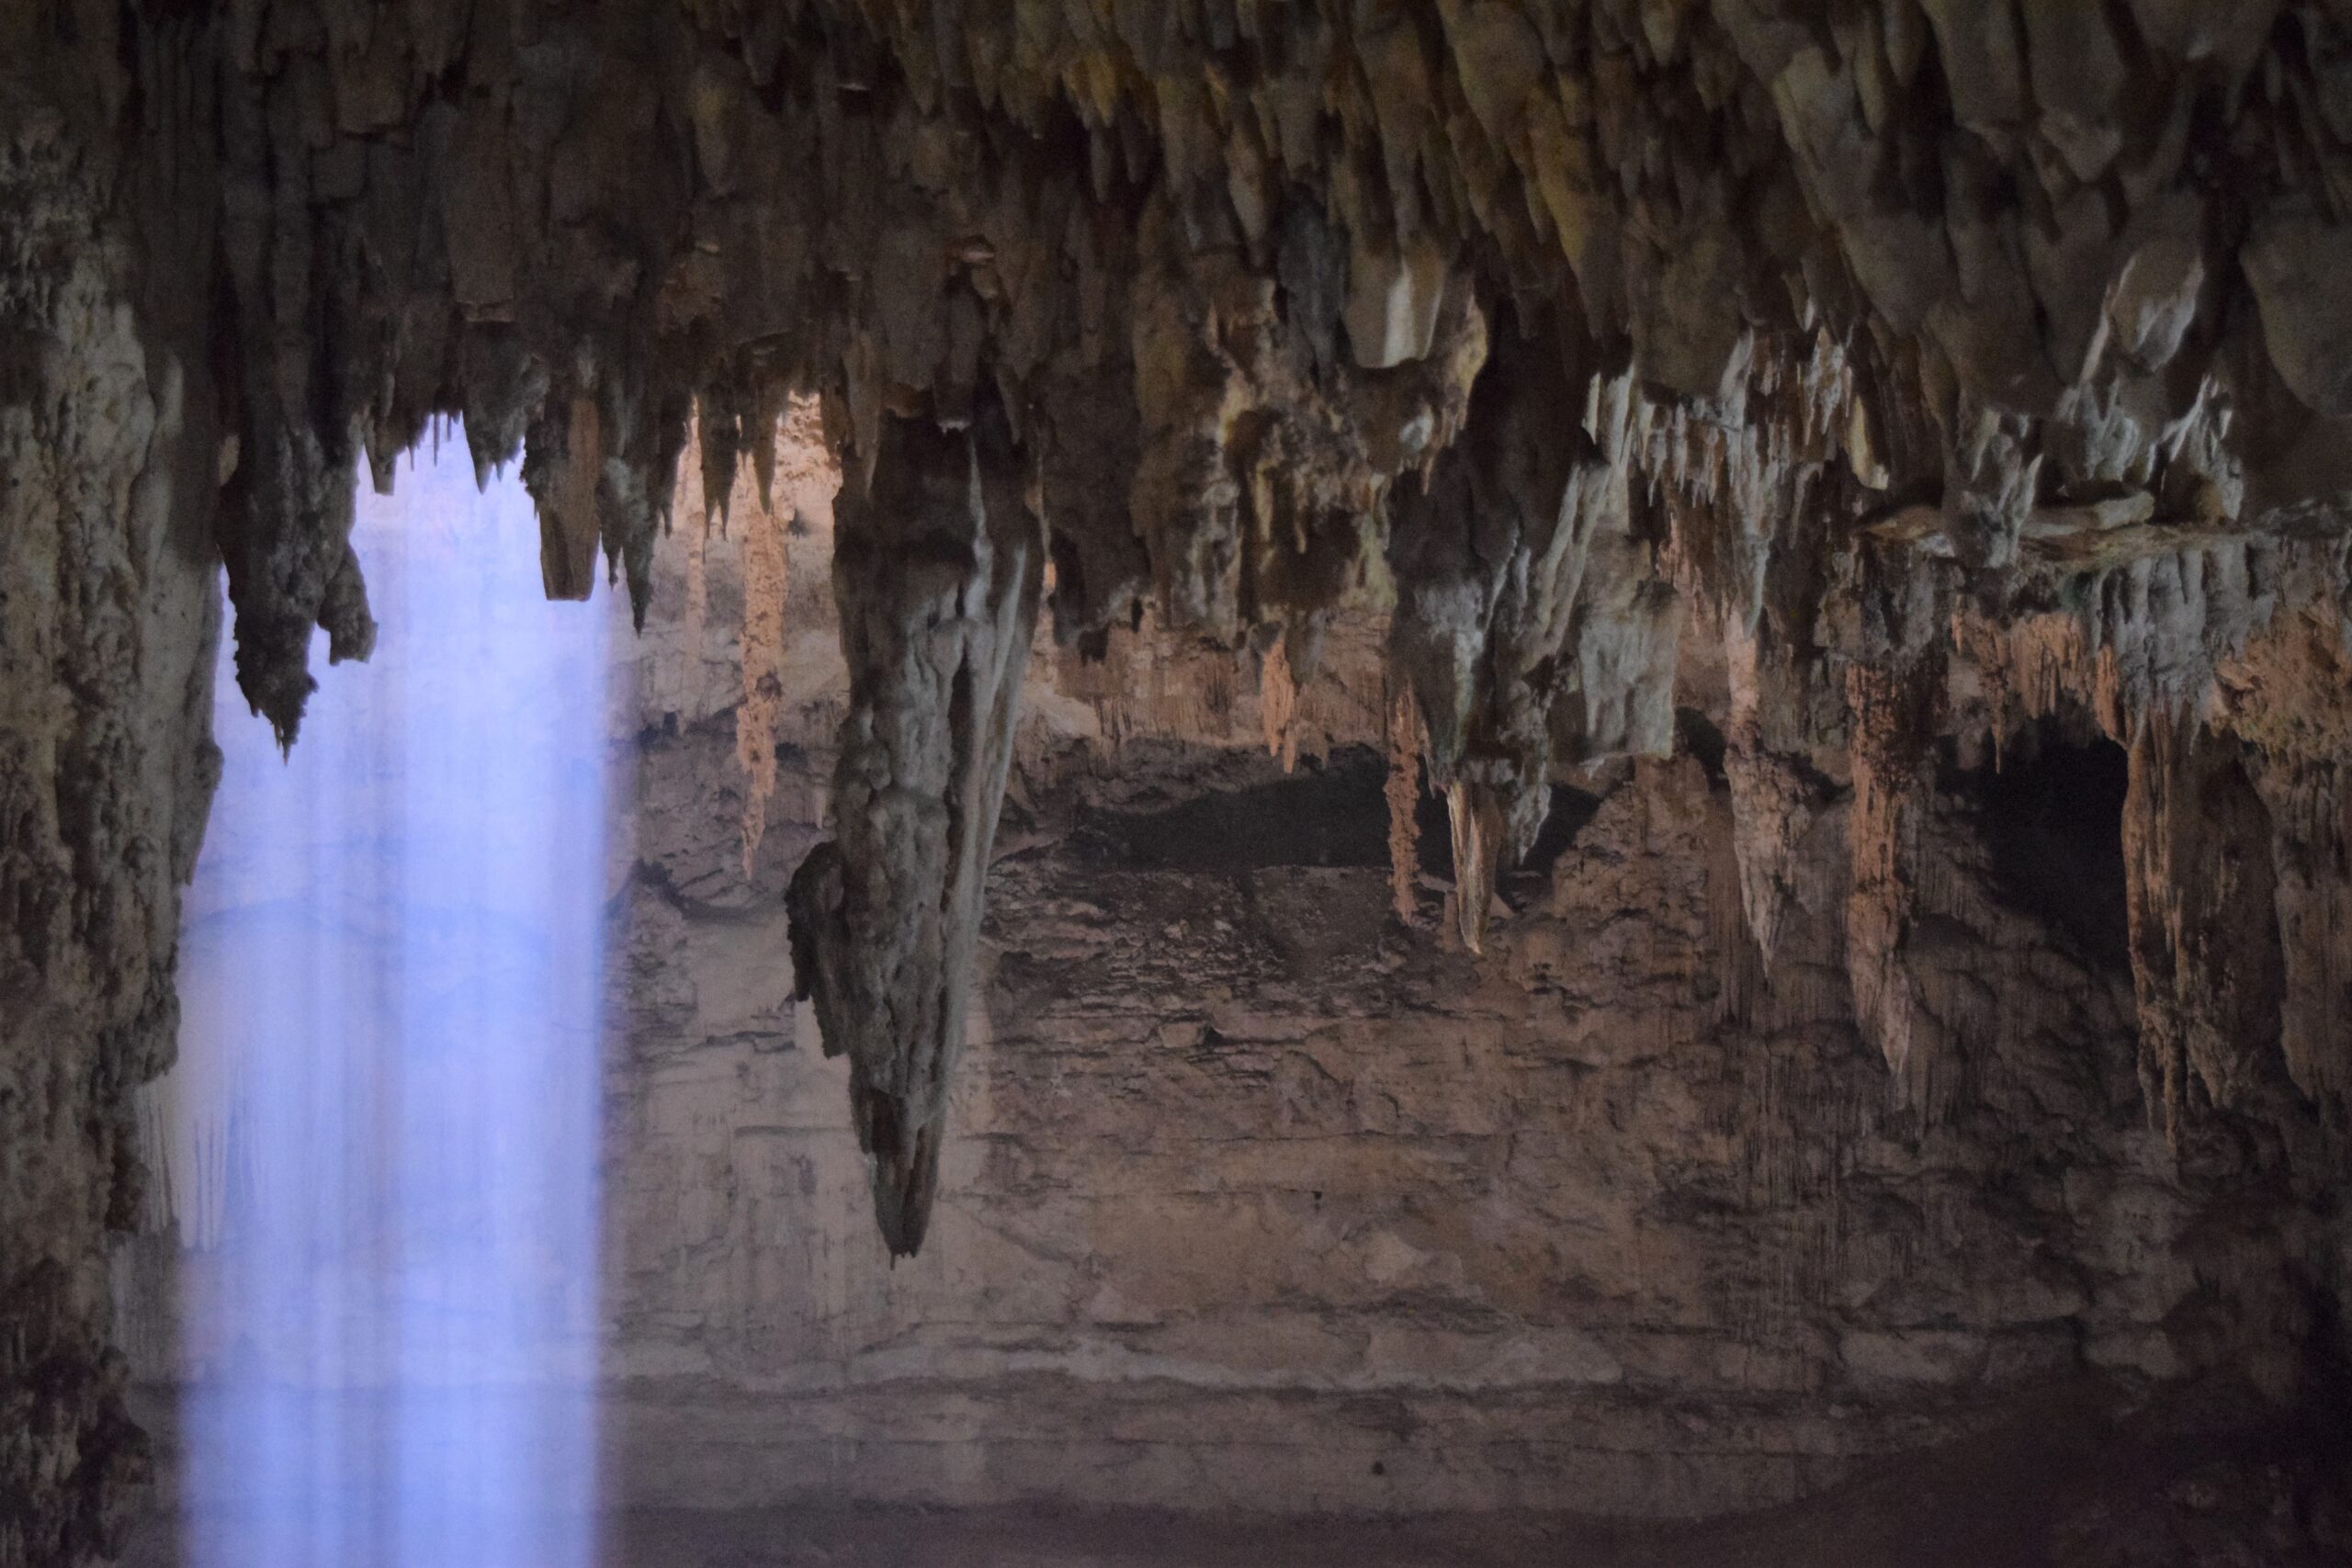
937 569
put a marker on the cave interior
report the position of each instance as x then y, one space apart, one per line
1175 780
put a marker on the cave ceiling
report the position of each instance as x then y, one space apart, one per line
1941 366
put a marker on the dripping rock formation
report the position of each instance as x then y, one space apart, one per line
1822 523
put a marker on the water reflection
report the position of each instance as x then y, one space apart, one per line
382 1137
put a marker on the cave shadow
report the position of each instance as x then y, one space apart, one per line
2050 814
1332 813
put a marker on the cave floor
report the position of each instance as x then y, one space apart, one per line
2062 1487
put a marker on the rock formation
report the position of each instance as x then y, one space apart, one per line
107 479
1885 382
936 574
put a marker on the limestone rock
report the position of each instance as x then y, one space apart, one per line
937 574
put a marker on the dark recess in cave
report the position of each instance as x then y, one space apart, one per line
2052 815
1697 735
1569 810
1331 813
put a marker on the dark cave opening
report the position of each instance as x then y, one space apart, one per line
1331 813
1564 819
2051 817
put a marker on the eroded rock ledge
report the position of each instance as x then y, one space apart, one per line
1948 368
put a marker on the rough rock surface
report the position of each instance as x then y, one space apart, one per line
107 622
1906 384
936 574
1611 1219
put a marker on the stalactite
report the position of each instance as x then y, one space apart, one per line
1773 801
698 551
937 573
1408 741
560 469
1477 822
1890 722
767 579
1278 705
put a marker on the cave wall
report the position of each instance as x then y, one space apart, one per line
1612 1217
107 621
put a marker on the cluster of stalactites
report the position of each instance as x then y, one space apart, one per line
2017 210
1545 568
1833 329
2047 213
2220 668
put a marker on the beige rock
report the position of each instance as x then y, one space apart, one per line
1392 299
